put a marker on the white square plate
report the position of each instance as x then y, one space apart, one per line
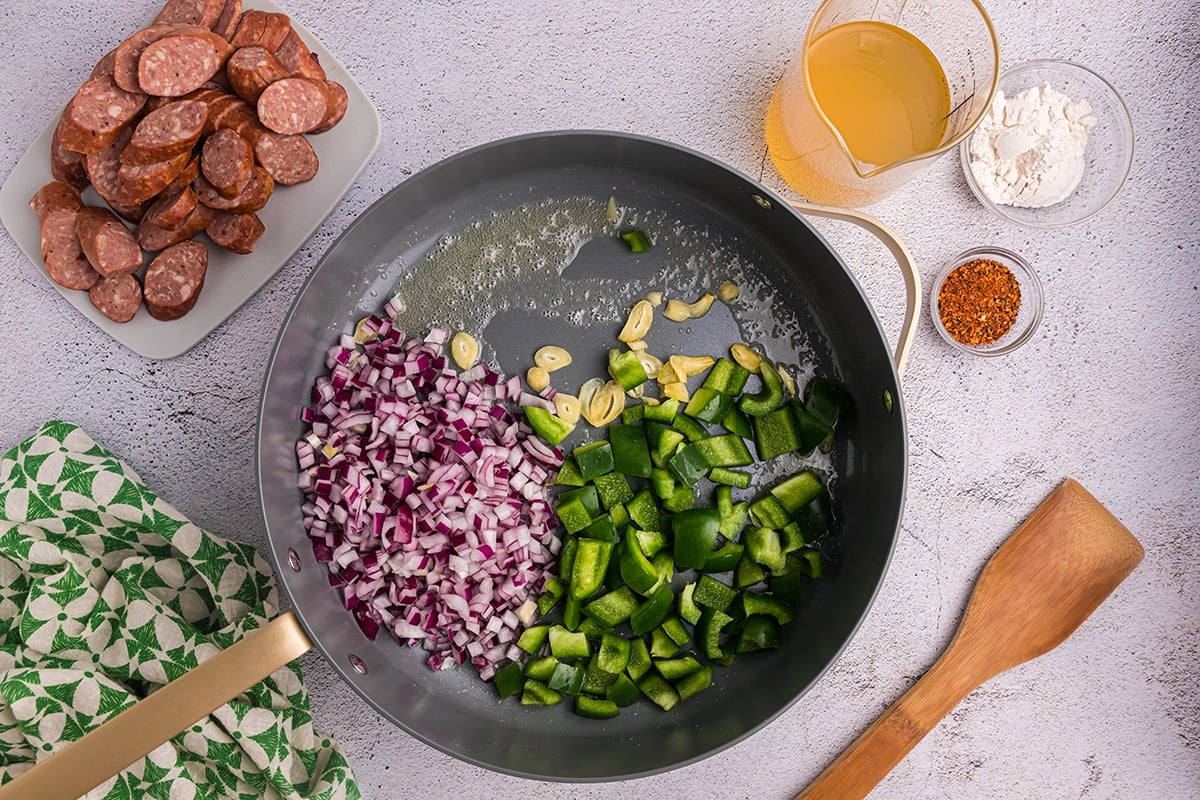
291 216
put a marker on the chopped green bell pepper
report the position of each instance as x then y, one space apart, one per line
664 411
567 678
636 568
509 680
613 608
639 659
688 465
653 611
591 562
568 474
690 428
623 691
540 668
691 685
550 427
725 450
727 377
724 558
687 604
737 422
659 691
595 707
769 397
594 458
729 477
663 442
763 545
566 644
626 369
631 454
675 668
537 693
695 534
759 632
613 489
532 638
775 433
708 405
613 655
644 511
713 594
797 491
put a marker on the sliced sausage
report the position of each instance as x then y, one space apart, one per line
171 208
289 158
231 15
137 183
67 165
166 132
109 246
102 167
117 297
227 162
252 198
335 112
252 69
174 280
187 176
54 196
131 212
105 65
181 62
294 54
64 259
128 52
262 28
191 12
151 237
295 105
236 232
97 114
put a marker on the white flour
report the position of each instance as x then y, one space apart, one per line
1028 149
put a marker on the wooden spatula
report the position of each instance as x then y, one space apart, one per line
1034 592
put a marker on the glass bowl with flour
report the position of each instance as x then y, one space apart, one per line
1053 149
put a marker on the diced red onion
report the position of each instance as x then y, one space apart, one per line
426 495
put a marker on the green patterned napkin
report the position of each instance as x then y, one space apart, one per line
107 592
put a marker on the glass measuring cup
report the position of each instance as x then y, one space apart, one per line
878 90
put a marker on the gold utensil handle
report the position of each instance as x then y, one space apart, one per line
908 269
110 748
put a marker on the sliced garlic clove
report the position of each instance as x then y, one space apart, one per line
464 349
677 311
728 291
676 391
551 357
746 358
567 407
638 324
537 378
650 364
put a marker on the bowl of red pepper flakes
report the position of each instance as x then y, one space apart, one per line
986 301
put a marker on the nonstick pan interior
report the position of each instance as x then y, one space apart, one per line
527 209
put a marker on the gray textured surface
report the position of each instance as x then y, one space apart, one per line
1105 392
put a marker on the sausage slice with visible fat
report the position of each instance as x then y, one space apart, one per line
174 280
252 69
181 62
227 162
117 297
295 105
236 232
97 114
166 132
109 246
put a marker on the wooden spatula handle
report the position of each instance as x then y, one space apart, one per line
863 764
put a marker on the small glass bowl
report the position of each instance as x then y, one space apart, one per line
1109 153
1028 315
